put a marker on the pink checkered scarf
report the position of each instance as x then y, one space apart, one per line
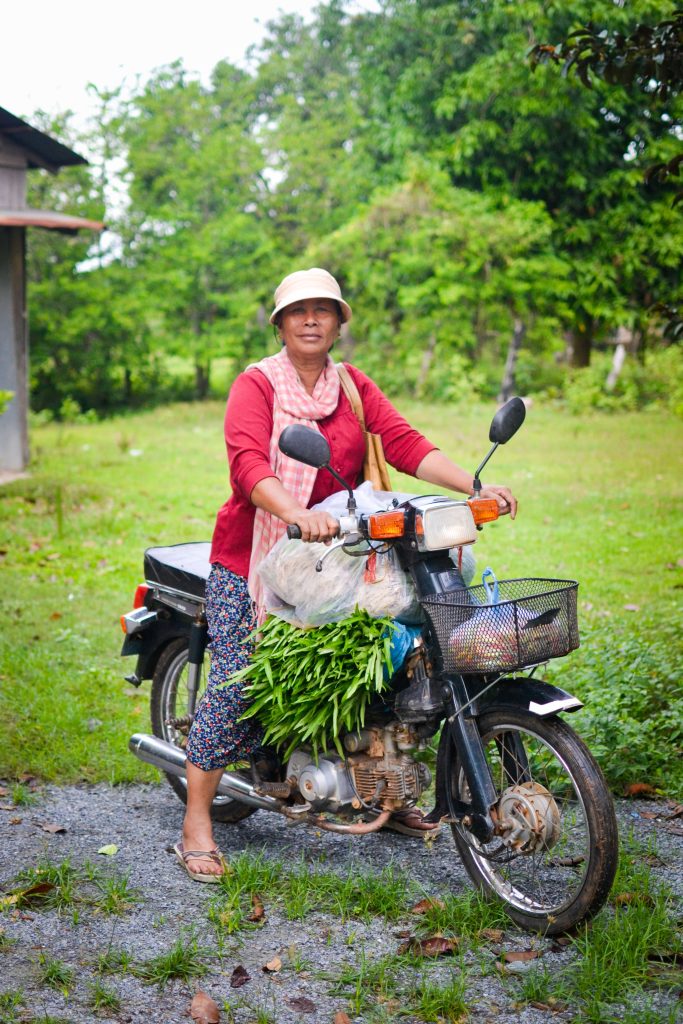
291 404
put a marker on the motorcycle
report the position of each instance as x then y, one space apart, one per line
529 810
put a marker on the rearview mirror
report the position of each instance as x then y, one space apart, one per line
304 445
507 421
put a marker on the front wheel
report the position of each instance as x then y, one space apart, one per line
171 721
553 858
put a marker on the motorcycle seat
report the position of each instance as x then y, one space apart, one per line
181 567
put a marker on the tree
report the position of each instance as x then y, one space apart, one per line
442 271
451 79
198 239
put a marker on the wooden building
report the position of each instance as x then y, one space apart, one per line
21 149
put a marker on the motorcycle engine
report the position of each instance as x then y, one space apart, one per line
378 773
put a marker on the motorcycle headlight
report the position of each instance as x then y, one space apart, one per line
445 526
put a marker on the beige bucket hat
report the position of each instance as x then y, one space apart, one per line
315 283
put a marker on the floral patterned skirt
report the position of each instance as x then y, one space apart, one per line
217 737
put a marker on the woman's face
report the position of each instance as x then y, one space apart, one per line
309 329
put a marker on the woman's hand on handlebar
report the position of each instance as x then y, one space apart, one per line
315 525
507 503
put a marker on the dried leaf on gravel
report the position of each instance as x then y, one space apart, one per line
109 850
204 1010
273 966
341 1018
302 1004
635 789
425 905
258 910
435 945
512 956
22 896
492 934
49 826
239 977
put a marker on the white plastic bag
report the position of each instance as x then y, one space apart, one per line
296 592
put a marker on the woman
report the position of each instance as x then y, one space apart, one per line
270 491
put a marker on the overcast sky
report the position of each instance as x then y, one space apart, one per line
52 49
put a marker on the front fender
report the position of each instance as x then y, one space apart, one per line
535 695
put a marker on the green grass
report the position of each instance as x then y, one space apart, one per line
616 956
185 960
76 887
600 500
55 974
102 998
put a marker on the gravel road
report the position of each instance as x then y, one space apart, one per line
144 822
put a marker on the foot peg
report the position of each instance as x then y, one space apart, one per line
279 790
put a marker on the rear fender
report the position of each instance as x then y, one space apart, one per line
535 695
148 644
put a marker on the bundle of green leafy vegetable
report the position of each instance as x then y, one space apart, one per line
306 685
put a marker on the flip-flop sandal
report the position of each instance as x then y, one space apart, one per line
399 822
214 855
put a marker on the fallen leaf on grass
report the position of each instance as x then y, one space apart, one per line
302 1005
436 945
49 826
258 911
425 905
640 789
511 957
55 616
204 1010
631 607
341 1018
625 899
273 966
23 896
109 850
239 977
492 934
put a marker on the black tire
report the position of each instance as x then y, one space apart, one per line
567 878
168 684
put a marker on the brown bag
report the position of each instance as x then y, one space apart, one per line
375 466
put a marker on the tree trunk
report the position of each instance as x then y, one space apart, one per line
617 364
201 379
579 346
427 359
507 387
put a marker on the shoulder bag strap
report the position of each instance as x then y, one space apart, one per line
352 393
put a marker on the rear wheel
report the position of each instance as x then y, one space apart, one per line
554 857
171 721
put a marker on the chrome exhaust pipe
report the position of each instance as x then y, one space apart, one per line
171 759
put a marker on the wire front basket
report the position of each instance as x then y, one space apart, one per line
533 620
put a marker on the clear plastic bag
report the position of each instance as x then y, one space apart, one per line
296 592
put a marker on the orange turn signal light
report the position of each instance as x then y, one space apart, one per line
484 510
386 525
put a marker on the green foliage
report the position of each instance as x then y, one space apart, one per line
306 685
657 379
633 720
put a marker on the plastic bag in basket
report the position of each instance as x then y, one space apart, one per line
488 638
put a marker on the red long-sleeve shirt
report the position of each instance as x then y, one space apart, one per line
248 429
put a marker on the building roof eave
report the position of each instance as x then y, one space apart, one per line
28 218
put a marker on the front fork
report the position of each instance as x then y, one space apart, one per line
464 734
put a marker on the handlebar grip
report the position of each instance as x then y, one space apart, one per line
294 532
